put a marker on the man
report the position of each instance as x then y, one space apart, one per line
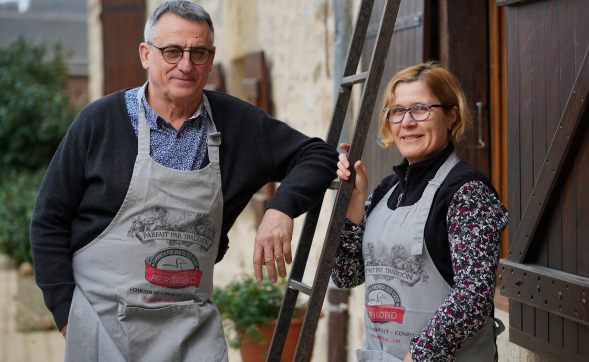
137 202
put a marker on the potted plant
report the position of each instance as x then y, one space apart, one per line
250 309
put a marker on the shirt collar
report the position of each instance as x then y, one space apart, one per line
423 170
152 117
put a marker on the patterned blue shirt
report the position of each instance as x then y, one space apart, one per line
183 149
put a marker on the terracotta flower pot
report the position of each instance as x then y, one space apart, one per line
252 351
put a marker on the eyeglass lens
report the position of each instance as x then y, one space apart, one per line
420 112
198 56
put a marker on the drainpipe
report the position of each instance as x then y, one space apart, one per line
338 298
341 14
338 323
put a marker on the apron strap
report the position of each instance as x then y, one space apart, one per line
426 202
214 137
387 196
143 132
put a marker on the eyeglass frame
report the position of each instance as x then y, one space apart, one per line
211 51
408 110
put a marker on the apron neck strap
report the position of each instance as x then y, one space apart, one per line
214 137
445 169
426 201
143 125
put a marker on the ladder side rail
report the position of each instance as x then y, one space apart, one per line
370 92
334 130
289 300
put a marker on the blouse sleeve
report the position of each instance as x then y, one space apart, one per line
475 221
348 266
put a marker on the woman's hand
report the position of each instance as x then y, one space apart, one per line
361 183
356 209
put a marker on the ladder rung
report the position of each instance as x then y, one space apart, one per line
334 184
354 79
293 284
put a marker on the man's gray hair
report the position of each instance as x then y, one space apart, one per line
184 9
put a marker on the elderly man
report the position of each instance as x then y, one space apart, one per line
136 205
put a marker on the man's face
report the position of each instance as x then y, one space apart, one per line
181 82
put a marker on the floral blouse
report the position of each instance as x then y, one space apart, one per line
475 221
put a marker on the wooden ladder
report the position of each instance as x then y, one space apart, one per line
344 189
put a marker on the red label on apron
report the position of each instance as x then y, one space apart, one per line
385 313
172 278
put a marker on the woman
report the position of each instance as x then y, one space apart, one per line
427 241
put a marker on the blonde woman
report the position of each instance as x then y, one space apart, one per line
427 241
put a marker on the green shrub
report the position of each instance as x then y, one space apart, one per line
34 117
34 112
17 199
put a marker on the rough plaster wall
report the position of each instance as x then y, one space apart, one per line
292 36
95 53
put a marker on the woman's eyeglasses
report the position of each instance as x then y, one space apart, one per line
419 112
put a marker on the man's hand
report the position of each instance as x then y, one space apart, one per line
64 331
273 243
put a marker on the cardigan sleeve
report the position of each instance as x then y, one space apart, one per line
348 266
51 225
475 221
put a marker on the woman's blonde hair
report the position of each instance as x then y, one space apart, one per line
441 84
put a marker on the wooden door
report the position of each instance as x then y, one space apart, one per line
546 272
408 47
122 29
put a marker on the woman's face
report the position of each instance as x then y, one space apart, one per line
419 140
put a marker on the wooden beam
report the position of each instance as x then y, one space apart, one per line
495 95
544 348
551 290
497 109
565 135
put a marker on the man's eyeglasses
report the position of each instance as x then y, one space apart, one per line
419 112
174 54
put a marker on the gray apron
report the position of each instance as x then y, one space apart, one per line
403 285
143 285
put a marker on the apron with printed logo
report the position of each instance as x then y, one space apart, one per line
143 285
403 286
